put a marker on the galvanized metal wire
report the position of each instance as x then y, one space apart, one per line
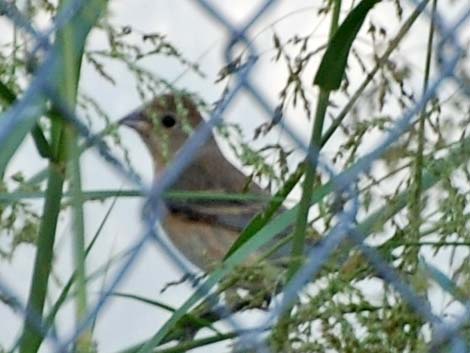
32 104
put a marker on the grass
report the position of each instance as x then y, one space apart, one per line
429 207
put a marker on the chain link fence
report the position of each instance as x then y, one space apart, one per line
70 29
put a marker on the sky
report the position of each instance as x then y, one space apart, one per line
200 39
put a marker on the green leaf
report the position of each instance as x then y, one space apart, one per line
42 145
11 138
8 97
332 67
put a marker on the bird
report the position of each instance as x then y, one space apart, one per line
202 230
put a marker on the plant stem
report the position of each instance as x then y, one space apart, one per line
32 336
416 203
298 242
281 332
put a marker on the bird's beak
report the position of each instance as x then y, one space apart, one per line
133 120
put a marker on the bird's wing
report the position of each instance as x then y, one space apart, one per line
232 215
199 176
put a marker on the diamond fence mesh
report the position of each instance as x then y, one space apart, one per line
60 48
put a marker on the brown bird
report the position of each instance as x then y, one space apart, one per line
203 230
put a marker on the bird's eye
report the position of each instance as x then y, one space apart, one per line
168 120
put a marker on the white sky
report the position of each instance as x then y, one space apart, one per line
200 39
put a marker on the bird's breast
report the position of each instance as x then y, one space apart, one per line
201 242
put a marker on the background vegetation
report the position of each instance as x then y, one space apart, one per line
414 201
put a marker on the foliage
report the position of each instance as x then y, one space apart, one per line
414 200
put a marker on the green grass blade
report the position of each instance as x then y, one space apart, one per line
331 70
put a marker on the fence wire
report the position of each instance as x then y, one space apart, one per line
20 117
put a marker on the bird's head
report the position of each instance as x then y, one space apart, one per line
164 125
